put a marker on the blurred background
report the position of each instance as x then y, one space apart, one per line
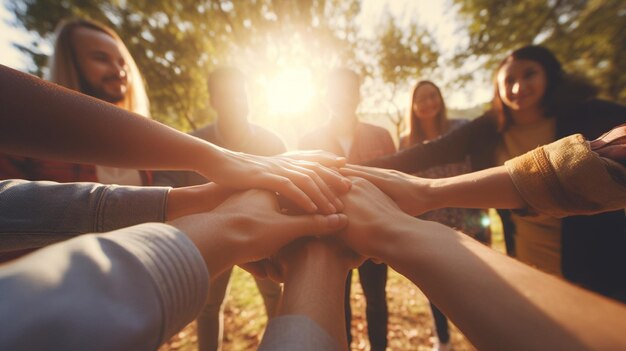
286 48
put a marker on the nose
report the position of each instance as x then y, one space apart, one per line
517 87
120 70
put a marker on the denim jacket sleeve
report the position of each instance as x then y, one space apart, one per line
35 214
130 289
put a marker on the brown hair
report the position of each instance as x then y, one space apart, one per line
416 135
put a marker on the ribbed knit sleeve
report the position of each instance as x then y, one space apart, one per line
130 289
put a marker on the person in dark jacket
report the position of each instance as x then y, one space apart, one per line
535 102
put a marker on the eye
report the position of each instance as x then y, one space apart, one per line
100 57
530 73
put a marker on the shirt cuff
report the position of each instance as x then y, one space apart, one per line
566 178
123 206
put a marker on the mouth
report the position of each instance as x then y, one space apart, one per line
118 83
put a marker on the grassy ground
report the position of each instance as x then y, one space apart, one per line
410 322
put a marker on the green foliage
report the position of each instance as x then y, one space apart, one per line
403 56
588 36
177 43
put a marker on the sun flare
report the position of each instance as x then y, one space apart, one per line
290 91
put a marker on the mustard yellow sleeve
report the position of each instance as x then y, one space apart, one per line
566 178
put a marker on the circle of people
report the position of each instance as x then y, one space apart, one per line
125 267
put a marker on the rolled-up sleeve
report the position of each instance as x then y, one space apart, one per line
35 214
566 178
129 289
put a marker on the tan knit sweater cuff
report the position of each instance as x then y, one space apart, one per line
566 178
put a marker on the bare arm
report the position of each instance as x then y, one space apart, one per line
314 272
483 189
475 286
567 177
43 120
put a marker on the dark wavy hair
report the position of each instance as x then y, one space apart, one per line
562 89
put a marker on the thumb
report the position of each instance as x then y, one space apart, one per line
312 225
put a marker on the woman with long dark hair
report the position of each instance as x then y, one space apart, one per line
536 102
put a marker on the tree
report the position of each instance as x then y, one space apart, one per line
402 57
177 43
588 36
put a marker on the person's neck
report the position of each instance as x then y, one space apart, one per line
232 136
429 128
528 116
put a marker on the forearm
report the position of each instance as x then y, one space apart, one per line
317 290
43 120
476 286
195 199
489 188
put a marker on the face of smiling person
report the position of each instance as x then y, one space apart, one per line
100 61
427 102
522 84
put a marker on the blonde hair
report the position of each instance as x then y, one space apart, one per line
63 68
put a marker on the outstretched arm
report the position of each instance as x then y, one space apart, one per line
43 120
145 282
314 272
475 286
567 177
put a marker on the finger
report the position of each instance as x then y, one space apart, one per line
324 187
304 180
294 227
614 152
369 170
288 189
333 178
322 157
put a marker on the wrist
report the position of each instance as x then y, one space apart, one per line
209 155
195 199
436 193
418 243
